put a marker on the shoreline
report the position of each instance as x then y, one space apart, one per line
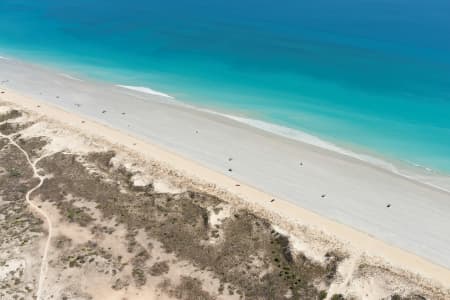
408 169
361 242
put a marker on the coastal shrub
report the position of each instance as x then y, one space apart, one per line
322 295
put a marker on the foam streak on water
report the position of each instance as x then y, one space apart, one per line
145 90
70 77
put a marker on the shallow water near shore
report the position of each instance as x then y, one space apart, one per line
361 75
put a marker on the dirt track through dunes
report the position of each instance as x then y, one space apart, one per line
41 178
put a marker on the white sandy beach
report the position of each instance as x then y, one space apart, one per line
342 196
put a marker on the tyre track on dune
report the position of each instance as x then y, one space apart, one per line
44 262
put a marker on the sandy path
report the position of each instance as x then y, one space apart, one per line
44 262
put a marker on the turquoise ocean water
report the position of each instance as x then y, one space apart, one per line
371 75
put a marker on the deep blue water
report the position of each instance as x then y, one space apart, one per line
370 74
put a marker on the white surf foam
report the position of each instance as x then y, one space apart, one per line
145 90
307 139
296 134
4 58
70 77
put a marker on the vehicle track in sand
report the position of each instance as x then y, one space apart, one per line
44 263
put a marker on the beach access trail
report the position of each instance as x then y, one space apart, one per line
42 213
